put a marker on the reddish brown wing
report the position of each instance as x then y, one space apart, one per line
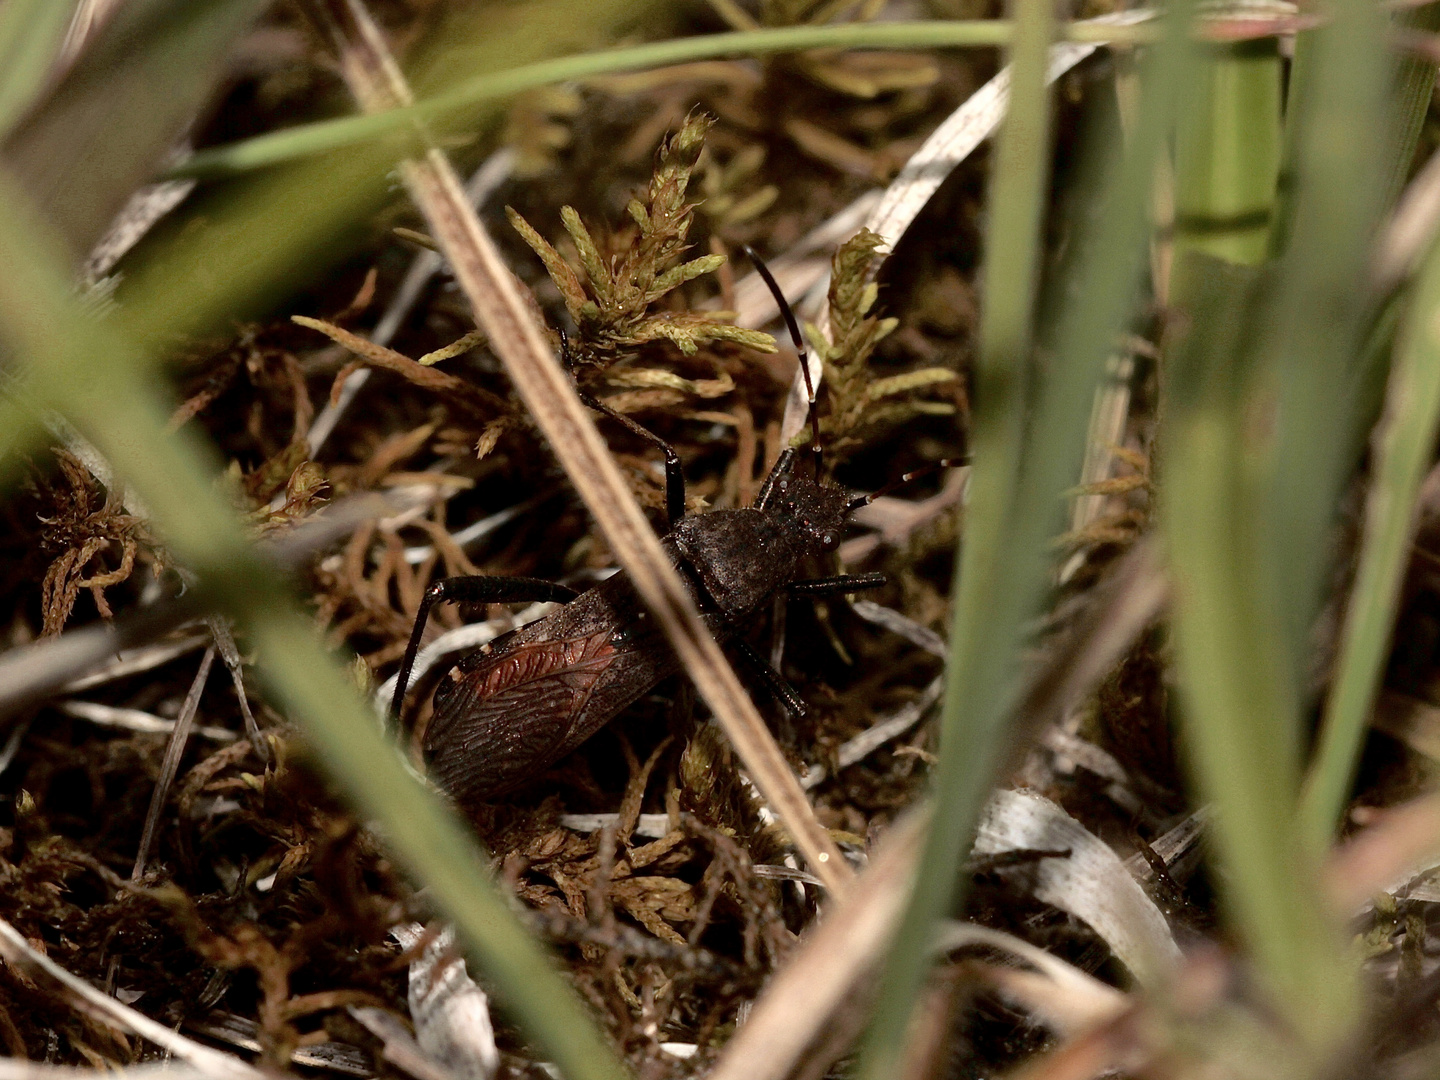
508 717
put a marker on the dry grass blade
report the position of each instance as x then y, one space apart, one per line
957 138
943 151
450 1012
418 372
179 737
230 654
547 392
112 716
33 672
1401 843
837 955
18 953
1090 883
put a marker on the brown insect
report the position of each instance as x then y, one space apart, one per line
509 709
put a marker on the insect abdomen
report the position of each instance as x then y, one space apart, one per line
516 712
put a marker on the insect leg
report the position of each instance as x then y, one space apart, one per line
831 586
471 589
674 476
773 680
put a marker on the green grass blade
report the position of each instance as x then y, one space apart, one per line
1319 312
97 376
245 254
1237 687
308 139
1259 442
277 230
1405 447
1097 297
985 628
1410 98
102 131
31 32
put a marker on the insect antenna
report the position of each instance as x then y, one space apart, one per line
903 479
816 448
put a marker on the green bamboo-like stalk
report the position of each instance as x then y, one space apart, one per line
97 376
308 139
1405 447
1228 153
985 627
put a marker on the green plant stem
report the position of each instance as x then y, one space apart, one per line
1405 447
987 611
96 376
307 139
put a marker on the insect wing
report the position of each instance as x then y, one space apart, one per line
505 720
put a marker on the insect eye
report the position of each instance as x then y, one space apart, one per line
829 541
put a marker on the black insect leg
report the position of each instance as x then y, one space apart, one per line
674 476
833 586
471 589
773 680
814 588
